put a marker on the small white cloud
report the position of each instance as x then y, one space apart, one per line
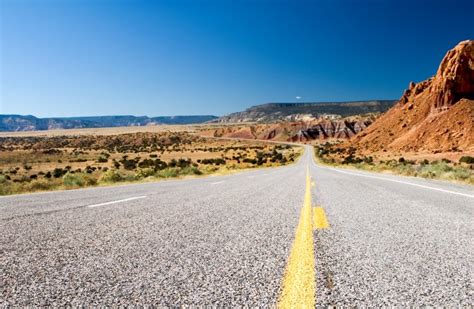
298 97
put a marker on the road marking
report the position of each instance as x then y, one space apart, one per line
118 201
406 182
251 176
299 283
217 182
319 218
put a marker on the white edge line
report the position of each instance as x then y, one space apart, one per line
217 182
114 202
404 182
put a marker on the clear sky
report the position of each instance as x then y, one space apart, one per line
104 57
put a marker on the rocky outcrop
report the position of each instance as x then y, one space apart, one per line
453 81
435 115
294 131
331 129
455 77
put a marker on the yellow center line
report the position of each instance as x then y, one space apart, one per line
299 283
319 218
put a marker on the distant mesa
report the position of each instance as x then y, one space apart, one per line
435 115
327 119
294 131
301 122
14 123
272 112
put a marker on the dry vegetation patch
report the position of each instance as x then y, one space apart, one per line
36 163
460 170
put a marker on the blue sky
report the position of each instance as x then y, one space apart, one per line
104 57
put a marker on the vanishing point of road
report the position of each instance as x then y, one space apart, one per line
303 234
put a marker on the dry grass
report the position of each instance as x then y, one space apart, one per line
118 130
41 163
444 169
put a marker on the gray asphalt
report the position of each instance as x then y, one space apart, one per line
225 240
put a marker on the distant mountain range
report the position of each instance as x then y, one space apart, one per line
272 112
269 112
31 123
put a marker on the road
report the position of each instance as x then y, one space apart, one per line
242 239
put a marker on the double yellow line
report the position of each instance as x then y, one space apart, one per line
299 282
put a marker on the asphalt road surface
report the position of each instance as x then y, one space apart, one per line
226 241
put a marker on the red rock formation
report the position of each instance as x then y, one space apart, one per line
331 129
418 121
455 77
294 131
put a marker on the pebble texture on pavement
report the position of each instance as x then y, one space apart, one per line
392 243
225 241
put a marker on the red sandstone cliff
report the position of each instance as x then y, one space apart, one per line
435 115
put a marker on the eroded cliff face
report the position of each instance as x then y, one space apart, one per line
331 129
295 112
434 115
455 77
301 131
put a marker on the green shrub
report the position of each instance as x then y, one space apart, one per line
406 169
190 170
168 172
3 179
247 160
182 163
24 178
351 159
58 172
111 176
40 185
5 189
461 174
435 169
102 159
467 159
144 172
219 161
129 164
78 180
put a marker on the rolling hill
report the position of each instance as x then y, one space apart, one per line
13 123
